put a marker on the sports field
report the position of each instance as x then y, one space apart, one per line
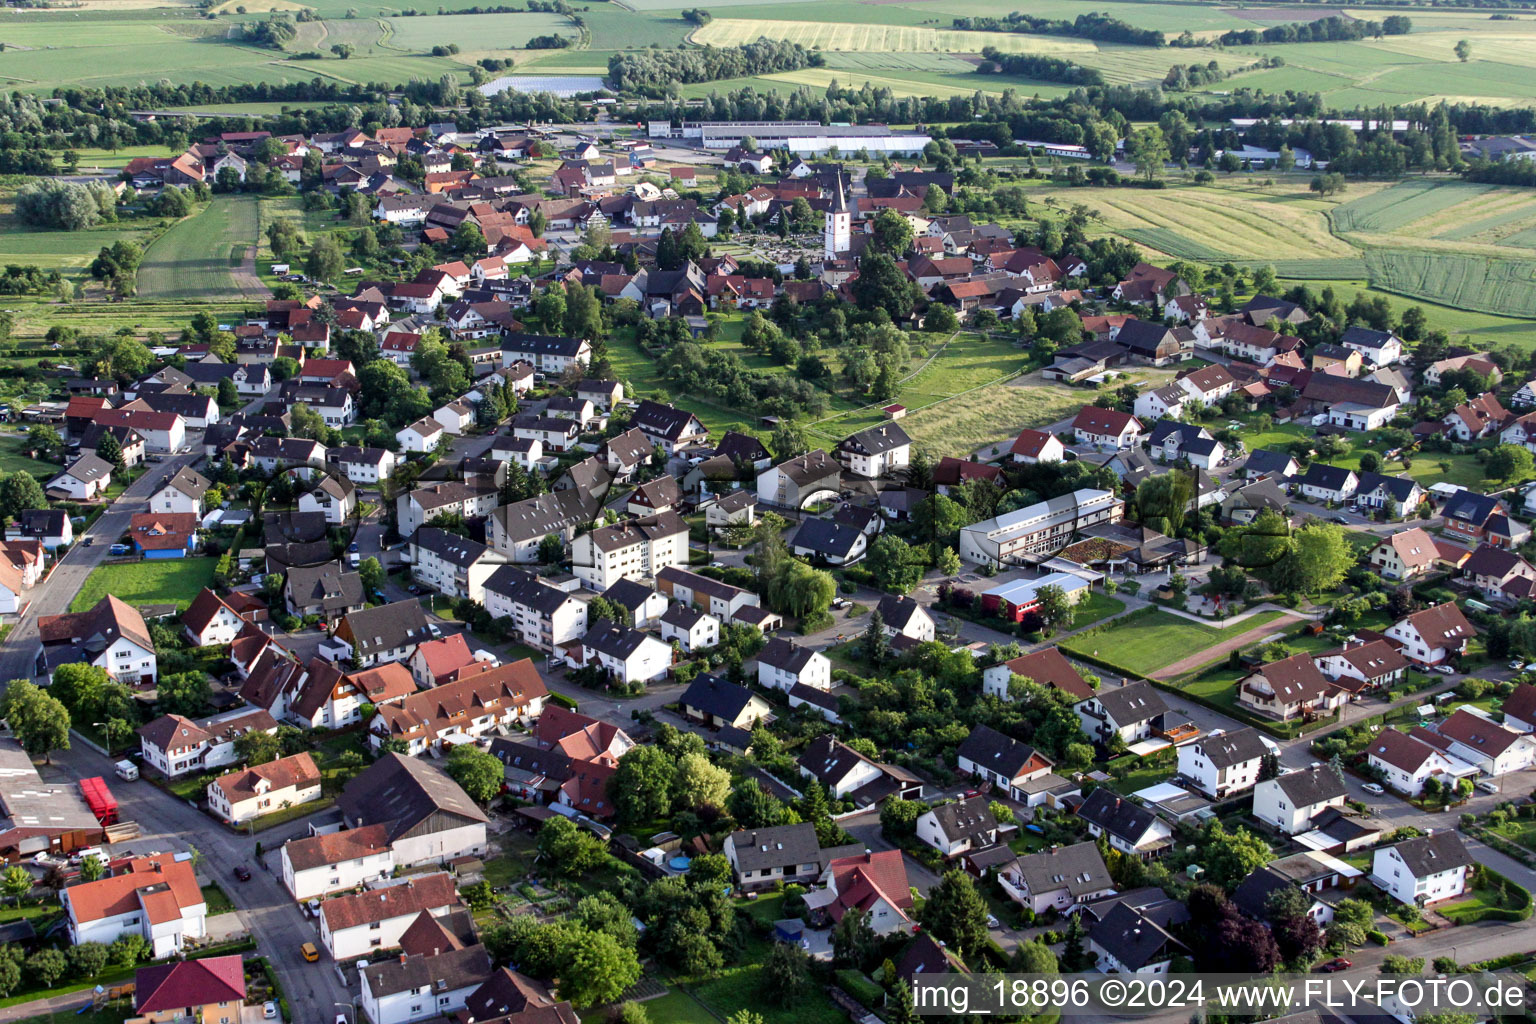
196 258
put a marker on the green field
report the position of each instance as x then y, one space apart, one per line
1394 208
1145 643
475 31
1502 286
194 259
172 581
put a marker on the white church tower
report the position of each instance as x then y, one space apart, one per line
835 235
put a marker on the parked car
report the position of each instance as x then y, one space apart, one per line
1487 785
269 1010
1373 788
309 952
242 872
1339 964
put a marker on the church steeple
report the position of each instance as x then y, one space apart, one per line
836 241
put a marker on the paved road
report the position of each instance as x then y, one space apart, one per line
68 576
264 907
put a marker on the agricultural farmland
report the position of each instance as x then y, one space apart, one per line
198 257
1490 285
898 38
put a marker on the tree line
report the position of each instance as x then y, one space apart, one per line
1324 30
653 70
1036 65
1096 25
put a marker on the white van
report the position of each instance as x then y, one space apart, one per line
127 771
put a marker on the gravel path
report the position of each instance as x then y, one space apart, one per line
1209 654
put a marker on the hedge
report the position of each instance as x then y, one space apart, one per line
860 988
562 700
1488 878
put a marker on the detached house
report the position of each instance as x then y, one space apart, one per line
1106 428
1292 801
963 826
1288 688
110 635
1403 555
1059 878
1130 713
1405 761
1424 869
875 452
762 858
1130 827
1432 636
782 664
1326 483
1220 766
1487 745
1003 761
250 793
717 702
156 897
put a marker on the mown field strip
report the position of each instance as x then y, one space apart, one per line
881 38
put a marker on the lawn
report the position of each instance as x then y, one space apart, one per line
110 1013
174 581
1145 643
218 902
194 259
1094 607
14 459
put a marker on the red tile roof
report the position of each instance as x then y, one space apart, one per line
217 979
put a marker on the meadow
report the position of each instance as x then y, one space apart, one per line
194 259
171 581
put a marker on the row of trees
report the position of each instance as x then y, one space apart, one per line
647 71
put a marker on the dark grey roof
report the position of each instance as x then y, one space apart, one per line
629 594
682 616
616 641
402 793
972 818
1127 705
1116 815
898 611
1187 432
399 624
459 551
777 847
543 514
1312 786
541 344
1133 938
1366 338
290 527
1232 748
1252 896
353 454
658 420
1400 488
330 586
630 447
1320 474
1142 335
741 447
449 970
1077 868
1469 506
991 749
786 656
711 694
189 482
1262 460
1428 855
876 440
814 466
522 587
827 538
